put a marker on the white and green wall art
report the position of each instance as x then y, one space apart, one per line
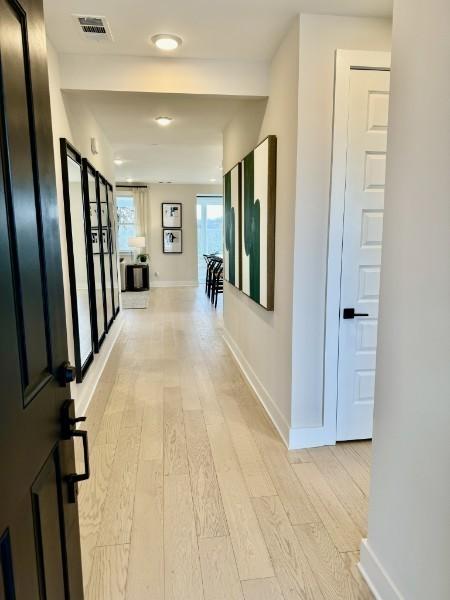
232 225
250 205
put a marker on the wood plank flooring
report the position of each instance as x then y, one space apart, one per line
193 495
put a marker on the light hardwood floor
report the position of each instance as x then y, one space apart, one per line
193 495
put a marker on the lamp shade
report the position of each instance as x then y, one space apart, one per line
136 242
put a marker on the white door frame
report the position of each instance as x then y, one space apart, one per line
346 60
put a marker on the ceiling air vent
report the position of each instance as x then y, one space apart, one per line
94 28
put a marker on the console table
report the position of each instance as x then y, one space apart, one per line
137 277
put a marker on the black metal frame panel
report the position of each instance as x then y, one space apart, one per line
68 151
102 181
89 169
113 246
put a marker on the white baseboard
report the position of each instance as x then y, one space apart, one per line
379 582
166 284
258 388
309 437
83 392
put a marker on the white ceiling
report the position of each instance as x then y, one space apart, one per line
226 29
189 150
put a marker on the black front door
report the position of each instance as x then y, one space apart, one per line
39 534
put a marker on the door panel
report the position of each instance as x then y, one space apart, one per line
33 342
7 587
48 527
361 250
15 76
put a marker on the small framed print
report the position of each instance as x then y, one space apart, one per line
94 214
95 241
171 214
104 213
172 241
105 240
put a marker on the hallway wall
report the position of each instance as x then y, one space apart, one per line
283 350
407 554
320 36
175 269
73 121
262 340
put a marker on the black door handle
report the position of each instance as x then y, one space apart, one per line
66 374
68 430
349 313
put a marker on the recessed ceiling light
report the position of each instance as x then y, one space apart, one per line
164 121
129 180
167 41
118 161
213 180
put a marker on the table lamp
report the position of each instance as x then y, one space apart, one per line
136 243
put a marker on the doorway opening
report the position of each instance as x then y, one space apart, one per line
209 230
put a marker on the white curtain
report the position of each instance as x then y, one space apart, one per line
141 200
141 206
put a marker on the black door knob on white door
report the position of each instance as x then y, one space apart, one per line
349 313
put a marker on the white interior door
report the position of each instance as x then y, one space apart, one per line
361 251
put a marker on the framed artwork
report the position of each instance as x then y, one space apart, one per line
258 222
95 241
93 213
232 226
171 214
172 241
105 240
104 213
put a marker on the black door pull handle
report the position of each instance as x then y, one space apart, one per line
349 313
68 431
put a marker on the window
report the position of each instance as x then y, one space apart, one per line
209 230
126 216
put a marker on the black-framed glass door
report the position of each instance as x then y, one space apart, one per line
77 232
95 255
112 212
105 243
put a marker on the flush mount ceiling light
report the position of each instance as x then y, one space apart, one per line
166 41
164 121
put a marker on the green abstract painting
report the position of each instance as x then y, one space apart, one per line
258 223
232 225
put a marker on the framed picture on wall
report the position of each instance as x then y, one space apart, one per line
172 241
105 240
171 214
93 213
258 185
95 241
232 228
104 213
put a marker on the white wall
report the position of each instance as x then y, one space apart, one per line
262 340
284 350
409 514
175 269
320 36
74 122
159 75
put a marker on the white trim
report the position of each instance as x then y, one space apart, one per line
379 582
277 418
309 437
345 61
168 284
84 392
